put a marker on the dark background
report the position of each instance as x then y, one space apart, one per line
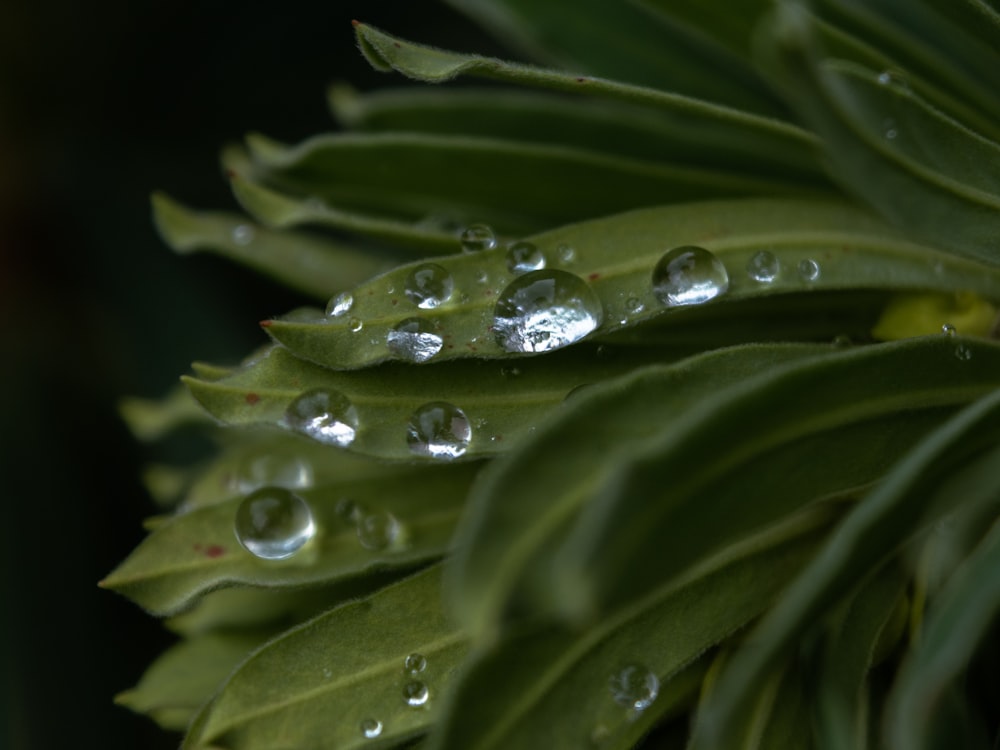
101 103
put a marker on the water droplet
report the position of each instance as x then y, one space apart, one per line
416 693
243 234
274 471
567 253
634 686
438 430
378 530
348 510
809 270
482 277
414 664
371 728
510 371
889 129
524 257
963 352
324 415
545 310
892 78
842 341
340 305
634 305
949 330
414 340
429 286
689 275
355 324
763 267
327 673
272 523
478 237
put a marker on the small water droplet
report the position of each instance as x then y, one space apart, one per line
274 471
510 371
842 341
340 305
438 430
348 510
416 693
545 310
634 305
327 673
272 523
889 129
429 286
325 415
482 277
763 267
243 234
478 237
414 340
355 324
809 270
963 352
634 686
378 530
414 664
949 330
524 257
689 275
892 78
371 728
567 253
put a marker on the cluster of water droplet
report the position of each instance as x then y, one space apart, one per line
273 523
325 415
962 351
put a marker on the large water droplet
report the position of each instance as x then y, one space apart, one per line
243 234
272 523
763 267
414 340
438 430
634 686
545 310
416 693
689 275
378 530
414 664
340 305
809 270
524 257
371 728
429 286
324 415
478 237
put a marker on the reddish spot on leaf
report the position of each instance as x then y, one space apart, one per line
215 550
252 398
395 301
396 44
581 80
266 323
450 346
231 174
594 276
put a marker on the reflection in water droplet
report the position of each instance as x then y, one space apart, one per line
355 324
567 253
414 340
478 237
763 267
634 686
809 270
963 352
429 286
324 415
378 530
689 275
273 470
416 693
340 305
438 430
414 664
545 310
243 234
273 524
948 330
524 257
371 728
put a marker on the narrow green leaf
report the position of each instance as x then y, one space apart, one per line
730 24
151 419
184 676
911 496
310 264
314 685
198 551
551 687
616 255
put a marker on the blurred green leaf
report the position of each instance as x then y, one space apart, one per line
151 419
729 25
314 685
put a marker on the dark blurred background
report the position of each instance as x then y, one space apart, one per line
101 103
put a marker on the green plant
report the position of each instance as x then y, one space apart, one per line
693 445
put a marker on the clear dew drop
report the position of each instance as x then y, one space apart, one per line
763 267
892 78
429 286
949 330
478 237
416 693
414 664
524 257
325 415
438 430
340 305
567 253
243 234
634 686
963 353
809 270
272 523
889 129
689 275
545 310
355 324
413 340
378 530
272 470
371 728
